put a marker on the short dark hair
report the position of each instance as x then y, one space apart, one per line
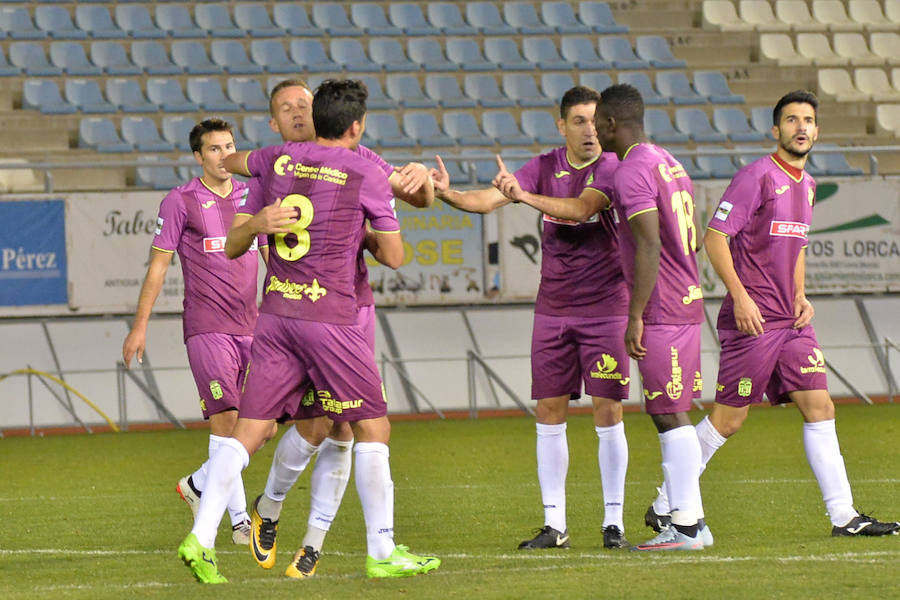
803 96
623 102
579 94
195 139
295 82
336 104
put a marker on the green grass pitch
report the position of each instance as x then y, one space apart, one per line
97 517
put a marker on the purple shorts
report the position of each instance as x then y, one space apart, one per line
778 362
290 354
670 372
566 351
218 361
365 319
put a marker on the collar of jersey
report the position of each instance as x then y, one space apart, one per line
791 171
581 166
630 148
225 195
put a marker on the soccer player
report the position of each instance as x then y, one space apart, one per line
307 332
219 297
658 242
314 433
756 242
579 313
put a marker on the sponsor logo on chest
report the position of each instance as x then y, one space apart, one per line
217 244
789 229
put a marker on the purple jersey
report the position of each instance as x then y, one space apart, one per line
364 296
219 294
312 270
766 211
650 179
580 271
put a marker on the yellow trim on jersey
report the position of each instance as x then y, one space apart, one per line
711 228
602 193
241 213
640 212
246 168
630 148
786 172
162 249
579 167
228 193
378 231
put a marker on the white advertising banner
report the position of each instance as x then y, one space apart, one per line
519 237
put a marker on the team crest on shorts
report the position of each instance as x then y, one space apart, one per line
309 398
215 388
745 386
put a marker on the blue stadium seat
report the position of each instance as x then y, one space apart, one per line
383 130
466 54
231 55
16 24
389 53
332 18
486 17
595 81
733 123
97 21
247 92
410 19
43 95
655 50
505 53
294 19
481 170
714 86
153 59
191 56
99 133
500 125
659 128
691 167
270 55
156 177
216 19
427 53
168 95
554 85
455 170
127 96
561 16
485 90
522 88
695 123
524 18
30 58
542 51
461 126
254 19
377 99
446 91
749 154
832 163
515 158
177 129
405 90
350 54
370 18
142 134
675 85
599 17
761 120
424 128
71 58
541 125
6 69
258 132
582 53
310 55
177 21
618 51
113 59
720 166
57 22
640 80
135 19
85 94
446 17
207 93
189 172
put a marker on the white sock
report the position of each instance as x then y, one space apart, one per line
237 504
681 469
376 494
329 480
710 441
824 456
612 455
223 474
290 460
552 466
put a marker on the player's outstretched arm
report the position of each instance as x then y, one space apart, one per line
803 308
746 313
136 340
386 247
412 184
645 229
244 228
473 201
237 163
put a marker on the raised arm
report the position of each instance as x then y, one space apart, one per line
237 163
746 313
474 201
136 340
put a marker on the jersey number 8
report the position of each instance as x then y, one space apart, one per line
292 253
